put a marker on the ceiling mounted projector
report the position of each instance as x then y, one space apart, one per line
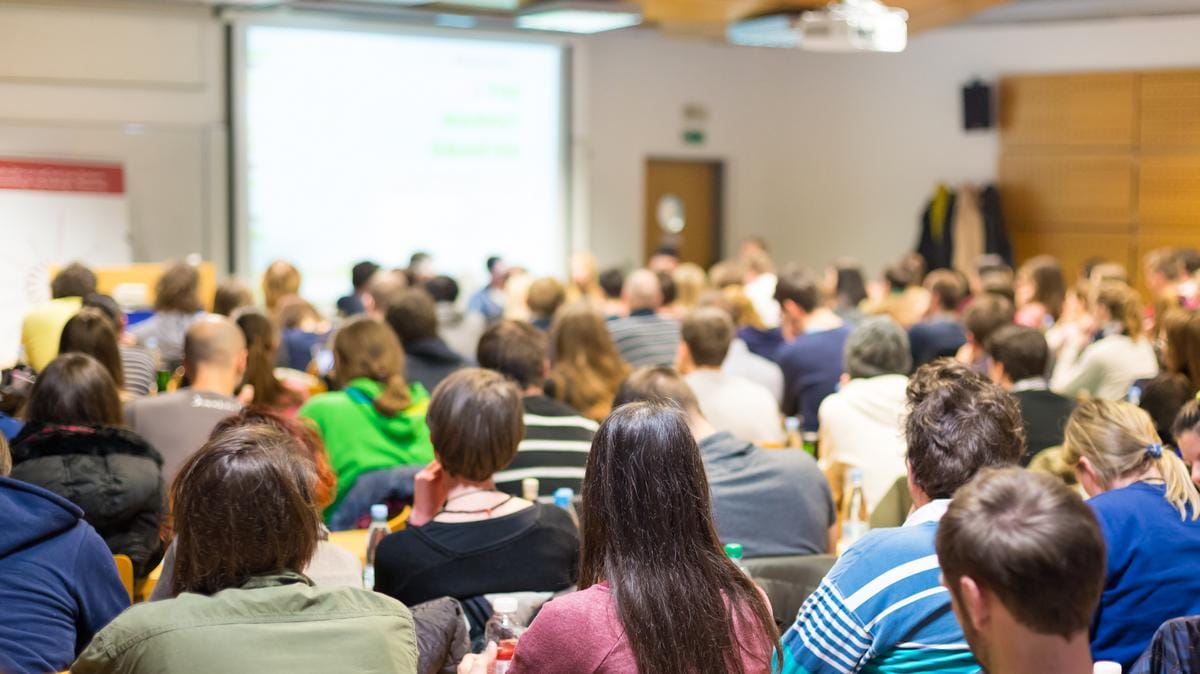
846 26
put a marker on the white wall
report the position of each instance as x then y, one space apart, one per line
827 155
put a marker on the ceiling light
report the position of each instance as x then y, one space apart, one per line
579 16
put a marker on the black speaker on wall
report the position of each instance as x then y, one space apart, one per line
977 106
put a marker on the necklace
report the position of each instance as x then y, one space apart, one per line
487 511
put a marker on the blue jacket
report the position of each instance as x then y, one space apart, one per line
58 582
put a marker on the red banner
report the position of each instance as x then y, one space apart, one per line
46 176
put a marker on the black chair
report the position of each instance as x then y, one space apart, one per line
788 581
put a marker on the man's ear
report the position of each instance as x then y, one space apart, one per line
683 359
976 603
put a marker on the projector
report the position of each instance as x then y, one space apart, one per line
846 26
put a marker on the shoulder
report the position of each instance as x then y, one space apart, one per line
886 561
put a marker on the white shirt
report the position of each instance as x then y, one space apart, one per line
862 425
1105 368
740 361
738 406
761 292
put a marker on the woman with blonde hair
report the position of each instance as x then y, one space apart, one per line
377 420
278 281
587 369
585 279
690 283
1122 354
1147 506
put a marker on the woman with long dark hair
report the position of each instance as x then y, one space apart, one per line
262 345
657 594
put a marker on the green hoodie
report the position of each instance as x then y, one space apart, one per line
359 439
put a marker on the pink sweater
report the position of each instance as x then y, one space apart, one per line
580 633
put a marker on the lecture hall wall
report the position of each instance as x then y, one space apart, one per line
826 155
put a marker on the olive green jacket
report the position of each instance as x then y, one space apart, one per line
276 624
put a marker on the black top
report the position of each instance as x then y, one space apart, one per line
1045 414
536 549
429 361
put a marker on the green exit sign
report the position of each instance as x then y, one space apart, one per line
693 137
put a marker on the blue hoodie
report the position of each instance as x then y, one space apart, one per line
58 582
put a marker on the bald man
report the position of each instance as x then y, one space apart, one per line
179 423
644 337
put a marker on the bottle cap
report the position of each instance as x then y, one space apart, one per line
379 512
856 476
505 605
1106 667
792 423
733 550
563 496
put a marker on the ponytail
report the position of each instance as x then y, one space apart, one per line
1181 493
394 398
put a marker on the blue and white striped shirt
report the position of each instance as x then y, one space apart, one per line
882 610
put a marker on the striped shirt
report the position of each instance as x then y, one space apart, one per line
141 377
645 338
882 609
555 448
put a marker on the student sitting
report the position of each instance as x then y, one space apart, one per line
1148 510
360 277
645 337
731 403
464 537
246 526
1023 559
941 333
557 439
545 297
986 314
892 613
812 360
1121 354
42 326
377 420
302 332
266 390
657 594
176 305
427 359
137 364
587 367
459 329
91 333
1019 358
74 445
746 482
58 583
231 294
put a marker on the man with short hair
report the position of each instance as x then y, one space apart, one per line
557 439
427 359
882 607
1019 360
360 277
862 424
986 314
460 330
748 484
812 360
612 282
731 403
1023 558
382 291
489 300
645 337
940 334
43 325
179 423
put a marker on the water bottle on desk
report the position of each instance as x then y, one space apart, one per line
795 439
564 497
505 629
530 487
855 522
376 533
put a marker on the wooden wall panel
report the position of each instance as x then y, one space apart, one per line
1069 110
1170 110
1073 248
1068 190
1169 193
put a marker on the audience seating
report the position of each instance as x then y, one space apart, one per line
788 581
125 569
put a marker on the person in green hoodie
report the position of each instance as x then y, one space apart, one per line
377 420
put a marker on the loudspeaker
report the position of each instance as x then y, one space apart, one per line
977 106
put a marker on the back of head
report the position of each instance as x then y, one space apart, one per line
545 296
801 286
987 314
898 277
365 348
213 341
476 420
1032 542
230 296
611 282
1022 351
412 315
647 529
878 346
361 273
1178 340
958 424
660 385
442 289
385 288
279 280
178 289
292 311
947 288
707 332
1124 306
643 290
91 332
106 305
741 309
727 273
1119 442
579 333
306 438
666 284
587 366
757 261
1107 272
690 282
850 284
243 505
1165 262
75 389
1190 259
73 280
1049 284
516 350
262 343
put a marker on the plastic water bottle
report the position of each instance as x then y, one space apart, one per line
504 629
161 374
564 497
530 488
376 533
734 552
791 426
854 512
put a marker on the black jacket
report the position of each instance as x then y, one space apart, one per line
1045 414
112 474
429 361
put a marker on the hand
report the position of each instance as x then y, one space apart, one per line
246 395
484 663
429 494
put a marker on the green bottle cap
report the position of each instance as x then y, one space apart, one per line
733 550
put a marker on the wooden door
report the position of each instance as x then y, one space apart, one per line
683 209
